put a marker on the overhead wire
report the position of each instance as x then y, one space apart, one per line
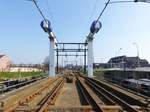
51 16
98 18
102 11
94 8
49 10
92 13
127 1
41 13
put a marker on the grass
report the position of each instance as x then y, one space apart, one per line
99 71
19 74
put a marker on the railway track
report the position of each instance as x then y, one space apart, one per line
139 101
110 96
128 103
51 97
88 99
91 94
18 84
119 101
96 103
126 89
30 101
46 102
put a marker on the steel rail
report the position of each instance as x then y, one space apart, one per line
129 99
90 99
126 89
49 99
119 101
12 108
84 99
101 95
31 97
21 84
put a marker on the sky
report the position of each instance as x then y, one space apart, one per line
22 38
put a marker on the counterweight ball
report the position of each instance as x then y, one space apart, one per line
46 26
95 27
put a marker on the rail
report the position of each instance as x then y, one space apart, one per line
112 96
51 97
88 97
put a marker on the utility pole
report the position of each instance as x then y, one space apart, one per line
138 58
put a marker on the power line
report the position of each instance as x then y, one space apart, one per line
40 11
35 3
92 13
97 20
94 7
102 11
127 1
121 1
49 10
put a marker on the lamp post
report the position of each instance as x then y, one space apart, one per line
95 27
118 52
138 62
46 26
117 63
137 48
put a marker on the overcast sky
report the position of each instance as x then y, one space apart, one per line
22 38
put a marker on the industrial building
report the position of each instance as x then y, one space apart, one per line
128 62
4 63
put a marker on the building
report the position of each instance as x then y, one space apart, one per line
101 65
4 63
24 69
129 62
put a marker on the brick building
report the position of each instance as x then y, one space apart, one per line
4 63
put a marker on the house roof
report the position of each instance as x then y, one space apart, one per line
1 56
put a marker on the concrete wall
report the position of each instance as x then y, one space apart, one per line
118 75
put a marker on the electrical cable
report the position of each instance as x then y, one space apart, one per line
127 1
121 1
38 8
40 11
102 11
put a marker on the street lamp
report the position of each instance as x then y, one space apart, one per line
118 52
117 63
137 48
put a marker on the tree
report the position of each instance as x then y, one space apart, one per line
46 63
